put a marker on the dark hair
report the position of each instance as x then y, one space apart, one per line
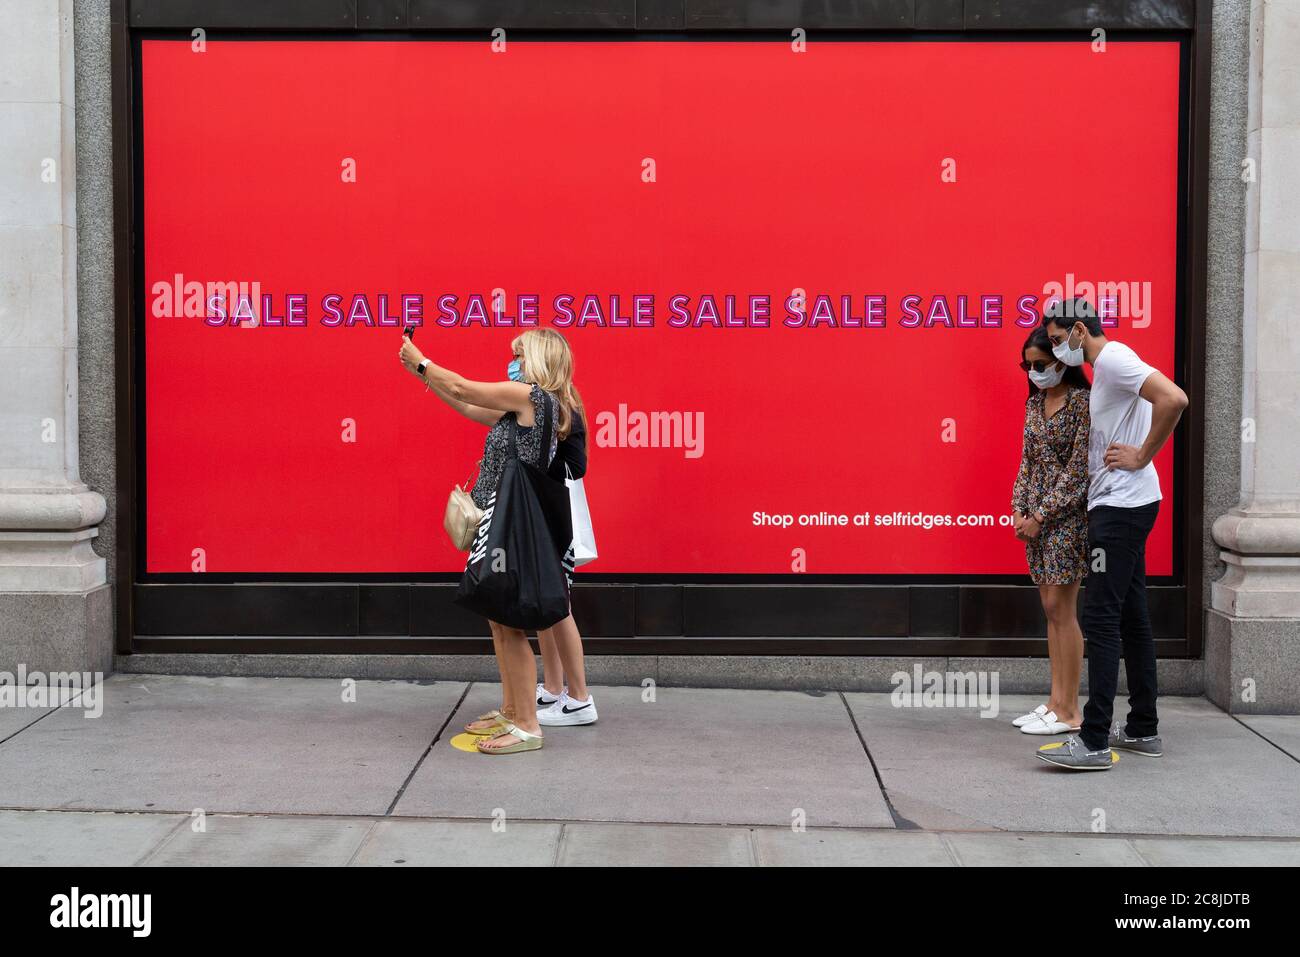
1064 313
1073 377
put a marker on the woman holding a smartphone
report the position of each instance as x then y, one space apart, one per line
538 390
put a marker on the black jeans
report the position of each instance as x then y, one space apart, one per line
1115 615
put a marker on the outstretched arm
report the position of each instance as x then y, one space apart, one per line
475 413
459 392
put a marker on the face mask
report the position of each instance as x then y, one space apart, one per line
1047 378
515 371
1068 355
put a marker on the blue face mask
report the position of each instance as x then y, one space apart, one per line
515 371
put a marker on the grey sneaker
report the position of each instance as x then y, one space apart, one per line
1151 747
1073 755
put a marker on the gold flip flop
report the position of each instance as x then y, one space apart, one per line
527 742
500 719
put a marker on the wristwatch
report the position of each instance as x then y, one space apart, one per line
419 370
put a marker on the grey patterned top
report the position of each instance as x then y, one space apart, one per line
497 448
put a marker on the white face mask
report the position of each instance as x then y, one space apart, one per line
1047 378
1070 356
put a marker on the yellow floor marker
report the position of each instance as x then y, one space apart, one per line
467 742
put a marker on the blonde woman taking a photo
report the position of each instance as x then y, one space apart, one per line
538 386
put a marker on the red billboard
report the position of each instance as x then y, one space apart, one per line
796 285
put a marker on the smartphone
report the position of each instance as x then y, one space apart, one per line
409 332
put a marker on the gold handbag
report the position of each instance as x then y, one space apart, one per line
462 518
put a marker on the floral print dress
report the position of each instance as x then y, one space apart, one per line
1053 480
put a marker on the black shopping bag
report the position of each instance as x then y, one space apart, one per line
514 574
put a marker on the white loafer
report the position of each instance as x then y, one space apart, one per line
1025 719
1047 724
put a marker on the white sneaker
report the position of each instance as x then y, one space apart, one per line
1046 724
568 711
545 699
1024 719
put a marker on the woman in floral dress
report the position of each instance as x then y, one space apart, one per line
1049 505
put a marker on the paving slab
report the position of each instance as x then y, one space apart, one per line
13 720
1193 852
75 838
1056 850
80 839
415 843
1282 730
825 847
944 764
649 845
178 743
256 841
693 756
17 708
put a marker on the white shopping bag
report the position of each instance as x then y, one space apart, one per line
584 540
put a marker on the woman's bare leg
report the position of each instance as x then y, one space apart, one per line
508 677
1071 656
1065 646
505 686
552 667
568 648
522 670
1047 597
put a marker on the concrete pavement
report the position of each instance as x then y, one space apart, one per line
204 770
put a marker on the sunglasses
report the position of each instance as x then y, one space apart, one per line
1038 365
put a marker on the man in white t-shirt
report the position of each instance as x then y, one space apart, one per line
1134 410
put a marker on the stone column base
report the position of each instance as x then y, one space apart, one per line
50 561
1252 658
45 535
53 632
1262 551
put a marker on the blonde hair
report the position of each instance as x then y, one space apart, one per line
548 361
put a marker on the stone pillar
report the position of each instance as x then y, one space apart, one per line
55 605
1253 627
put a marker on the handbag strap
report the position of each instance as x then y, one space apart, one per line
547 427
